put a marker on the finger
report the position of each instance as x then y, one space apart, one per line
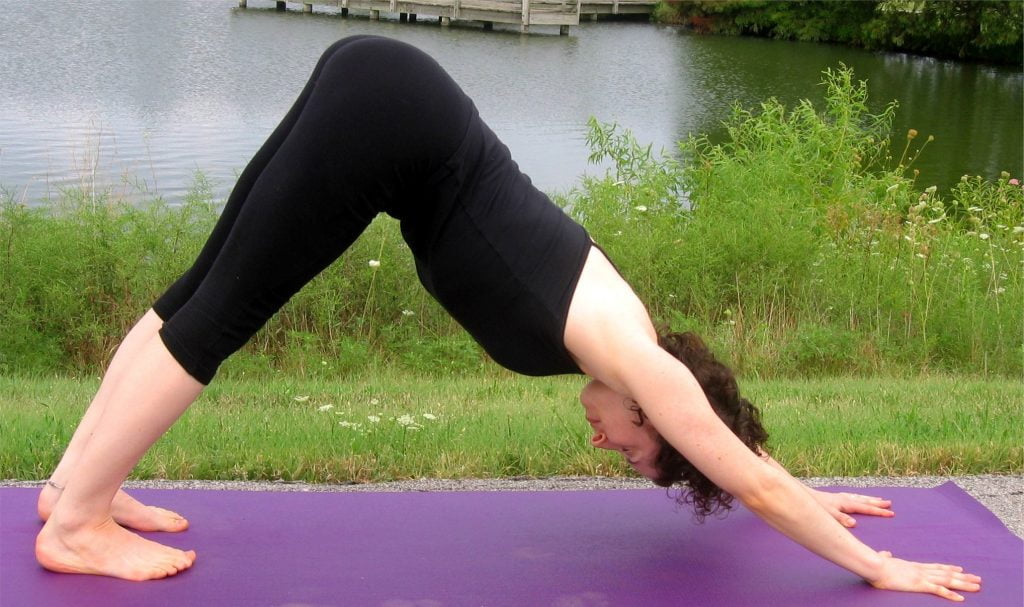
944 592
867 509
876 511
960 581
844 520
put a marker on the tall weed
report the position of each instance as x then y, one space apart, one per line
802 245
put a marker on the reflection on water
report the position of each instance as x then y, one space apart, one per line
140 94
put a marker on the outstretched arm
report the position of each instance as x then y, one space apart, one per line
611 336
677 407
841 505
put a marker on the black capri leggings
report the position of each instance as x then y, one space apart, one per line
376 121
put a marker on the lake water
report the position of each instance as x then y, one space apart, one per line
138 95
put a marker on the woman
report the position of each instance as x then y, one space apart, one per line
381 127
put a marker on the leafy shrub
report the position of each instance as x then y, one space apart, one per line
801 245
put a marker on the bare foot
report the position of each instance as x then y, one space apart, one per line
107 549
125 509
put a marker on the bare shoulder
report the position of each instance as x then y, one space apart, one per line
607 323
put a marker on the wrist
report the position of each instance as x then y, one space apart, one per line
871 565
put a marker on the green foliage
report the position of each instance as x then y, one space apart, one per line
76 273
802 245
963 29
821 350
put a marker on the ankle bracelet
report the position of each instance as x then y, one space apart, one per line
54 485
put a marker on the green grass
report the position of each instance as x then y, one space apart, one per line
499 426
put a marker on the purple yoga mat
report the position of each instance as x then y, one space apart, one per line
565 549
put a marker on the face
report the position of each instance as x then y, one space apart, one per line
614 419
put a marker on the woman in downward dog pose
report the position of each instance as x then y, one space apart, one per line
380 127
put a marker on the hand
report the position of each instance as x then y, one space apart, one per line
841 505
933 578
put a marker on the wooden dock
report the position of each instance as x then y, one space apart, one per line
523 13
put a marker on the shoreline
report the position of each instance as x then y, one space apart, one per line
1003 495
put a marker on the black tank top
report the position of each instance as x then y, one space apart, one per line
500 257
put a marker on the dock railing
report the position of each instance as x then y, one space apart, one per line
525 13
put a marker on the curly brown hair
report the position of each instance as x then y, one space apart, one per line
742 417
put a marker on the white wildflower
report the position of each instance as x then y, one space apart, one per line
429 416
999 291
301 399
937 219
1018 229
325 407
408 313
374 401
892 187
983 236
374 263
374 419
405 420
640 208
931 189
921 255
975 209
618 233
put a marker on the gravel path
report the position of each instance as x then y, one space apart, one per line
1003 495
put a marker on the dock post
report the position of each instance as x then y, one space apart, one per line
307 8
374 15
593 17
563 30
445 21
344 12
526 17
279 5
242 3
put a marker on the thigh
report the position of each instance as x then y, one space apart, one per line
179 292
